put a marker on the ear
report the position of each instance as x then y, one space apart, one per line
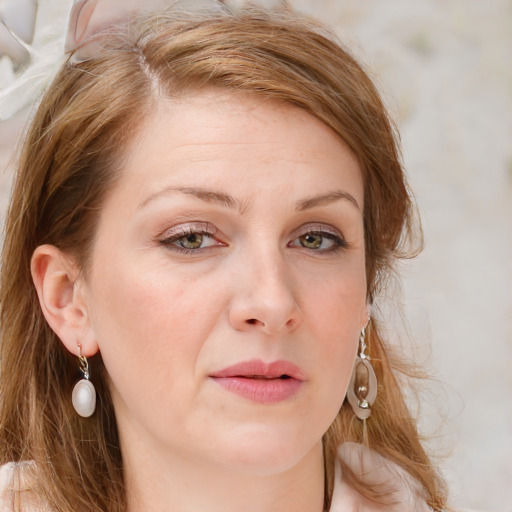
59 289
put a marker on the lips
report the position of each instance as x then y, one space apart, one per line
261 382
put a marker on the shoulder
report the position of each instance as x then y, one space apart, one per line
403 492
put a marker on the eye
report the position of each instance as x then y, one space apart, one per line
312 241
191 241
191 238
320 240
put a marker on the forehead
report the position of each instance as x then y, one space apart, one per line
216 115
224 138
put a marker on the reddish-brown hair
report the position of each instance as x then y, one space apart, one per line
71 159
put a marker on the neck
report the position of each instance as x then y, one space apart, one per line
158 483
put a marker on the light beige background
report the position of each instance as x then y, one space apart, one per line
444 67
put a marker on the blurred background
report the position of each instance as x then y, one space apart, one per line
444 69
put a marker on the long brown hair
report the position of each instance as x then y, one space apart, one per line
71 159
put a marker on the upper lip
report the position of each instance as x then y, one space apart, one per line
258 368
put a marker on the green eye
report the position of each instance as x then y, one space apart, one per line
191 238
191 241
320 240
311 240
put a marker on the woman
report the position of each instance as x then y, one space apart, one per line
206 207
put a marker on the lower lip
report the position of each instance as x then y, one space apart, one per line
264 391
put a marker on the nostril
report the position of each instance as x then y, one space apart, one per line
252 321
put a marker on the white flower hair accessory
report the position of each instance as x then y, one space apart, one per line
30 65
31 50
91 20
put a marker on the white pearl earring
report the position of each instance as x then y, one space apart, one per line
84 393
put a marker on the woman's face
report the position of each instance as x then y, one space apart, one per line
227 287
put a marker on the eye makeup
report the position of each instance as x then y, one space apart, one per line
191 238
319 238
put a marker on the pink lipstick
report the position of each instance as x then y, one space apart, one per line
261 382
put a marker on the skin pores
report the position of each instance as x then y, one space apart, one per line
234 237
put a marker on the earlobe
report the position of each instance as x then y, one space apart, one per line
56 279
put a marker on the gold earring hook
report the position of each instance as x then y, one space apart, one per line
84 364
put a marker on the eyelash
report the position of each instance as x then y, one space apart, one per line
207 230
339 242
202 229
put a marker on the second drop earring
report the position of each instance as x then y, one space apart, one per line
362 389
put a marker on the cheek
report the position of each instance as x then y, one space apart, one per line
337 311
150 325
337 306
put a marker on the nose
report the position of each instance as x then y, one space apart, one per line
265 298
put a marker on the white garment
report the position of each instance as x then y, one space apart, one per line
403 492
7 497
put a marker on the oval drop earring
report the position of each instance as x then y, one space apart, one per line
84 392
362 389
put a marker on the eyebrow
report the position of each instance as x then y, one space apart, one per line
209 196
324 199
212 196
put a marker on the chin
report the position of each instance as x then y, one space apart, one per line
266 451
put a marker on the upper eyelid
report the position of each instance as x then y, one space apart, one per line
318 227
189 228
